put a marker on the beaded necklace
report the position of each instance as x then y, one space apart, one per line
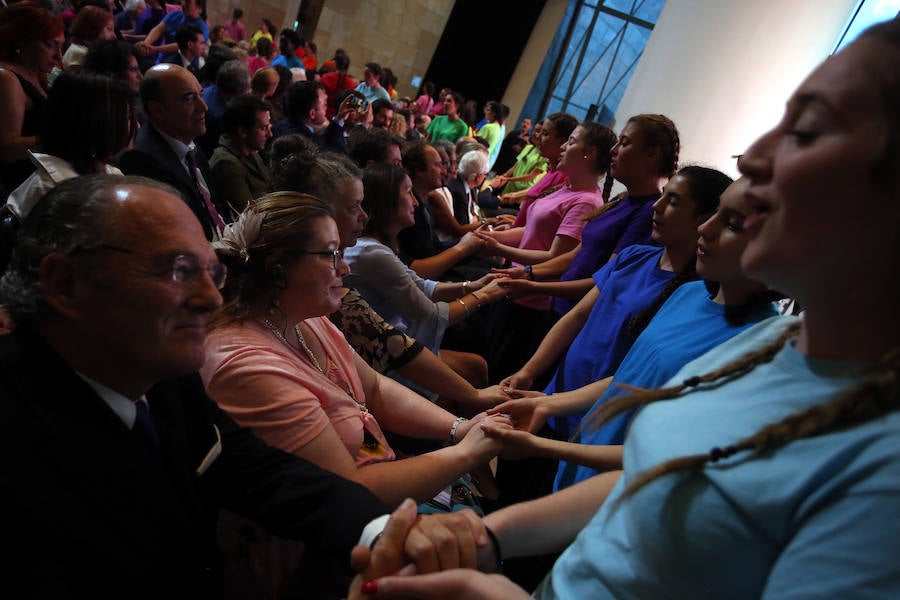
369 440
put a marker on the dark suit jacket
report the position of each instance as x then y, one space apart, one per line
175 59
331 139
460 200
87 513
418 241
152 157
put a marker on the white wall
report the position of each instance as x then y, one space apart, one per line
723 69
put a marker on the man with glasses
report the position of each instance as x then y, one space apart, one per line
117 461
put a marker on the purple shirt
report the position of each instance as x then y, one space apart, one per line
627 223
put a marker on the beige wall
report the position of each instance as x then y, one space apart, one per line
723 70
281 13
400 34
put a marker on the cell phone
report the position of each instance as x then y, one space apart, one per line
358 103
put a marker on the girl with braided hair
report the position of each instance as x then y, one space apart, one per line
645 154
770 466
593 338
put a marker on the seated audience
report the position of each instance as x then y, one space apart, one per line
514 142
453 206
305 104
239 174
425 101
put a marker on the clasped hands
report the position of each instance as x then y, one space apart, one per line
430 557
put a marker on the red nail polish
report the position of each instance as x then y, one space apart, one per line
370 587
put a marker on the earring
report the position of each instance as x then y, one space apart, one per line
585 156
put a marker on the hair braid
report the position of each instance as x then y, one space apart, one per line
676 145
737 368
873 397
606 205
608 182
637 323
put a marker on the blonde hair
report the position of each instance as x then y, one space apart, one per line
258 248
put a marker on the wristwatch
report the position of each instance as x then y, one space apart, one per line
529 270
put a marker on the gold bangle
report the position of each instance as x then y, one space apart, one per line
468 313
476 296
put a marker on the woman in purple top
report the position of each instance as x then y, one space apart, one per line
647 151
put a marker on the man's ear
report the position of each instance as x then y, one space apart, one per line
58 280
242 132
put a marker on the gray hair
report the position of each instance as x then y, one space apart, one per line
472 163
321 175
78 214
233 78
132 5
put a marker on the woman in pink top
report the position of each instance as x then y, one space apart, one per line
551 225
546 226
278 365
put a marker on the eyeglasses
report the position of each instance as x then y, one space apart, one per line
185 270
334 255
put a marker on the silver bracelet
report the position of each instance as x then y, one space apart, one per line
465 287
454 427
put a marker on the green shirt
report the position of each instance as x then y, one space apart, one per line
527 161
443 128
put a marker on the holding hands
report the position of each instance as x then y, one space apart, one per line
412 544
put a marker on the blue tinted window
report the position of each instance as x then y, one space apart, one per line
592 58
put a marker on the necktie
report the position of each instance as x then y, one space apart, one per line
213 213
144 428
